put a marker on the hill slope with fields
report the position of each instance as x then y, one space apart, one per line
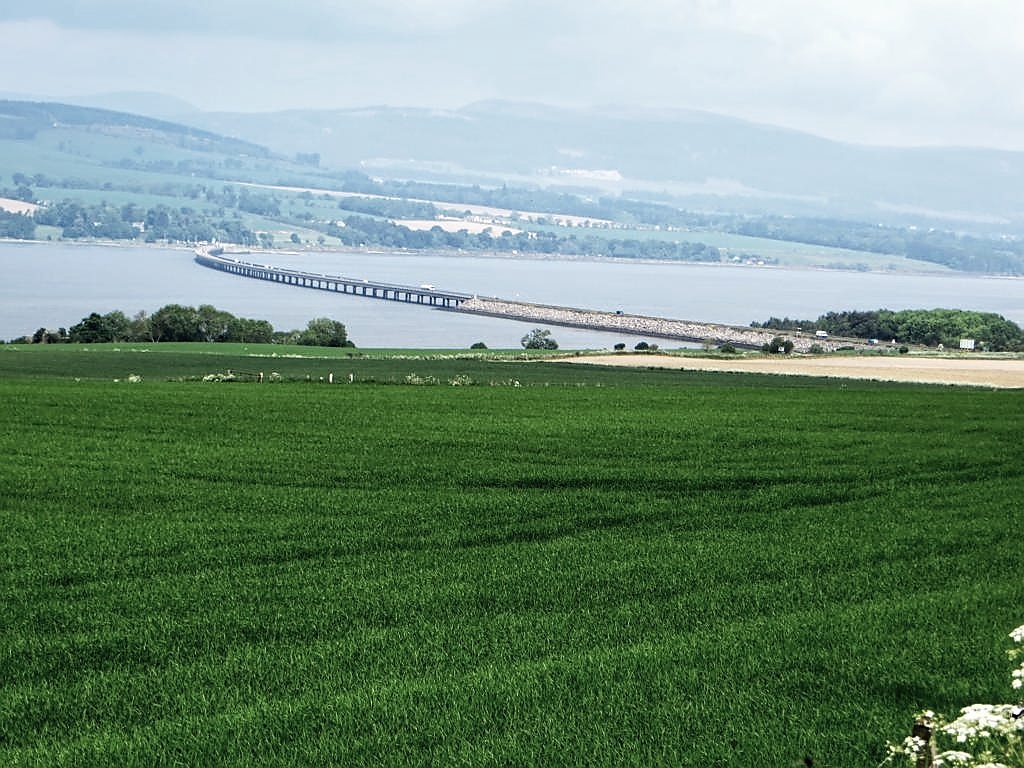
516 179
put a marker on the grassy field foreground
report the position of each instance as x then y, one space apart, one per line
594 567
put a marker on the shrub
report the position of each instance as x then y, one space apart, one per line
727 349
478 345
538 339
642 346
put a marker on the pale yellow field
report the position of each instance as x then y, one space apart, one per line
967 370
17 206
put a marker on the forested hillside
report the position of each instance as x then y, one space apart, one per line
107 175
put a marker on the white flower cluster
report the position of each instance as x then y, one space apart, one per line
995 732
953 757
911 747
985 721
415 379
1017 676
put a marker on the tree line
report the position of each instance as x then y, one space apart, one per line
957 251
176 322
930 327
1003 255
19 226
368 223
161 223
366 231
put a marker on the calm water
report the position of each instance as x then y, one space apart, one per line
56 285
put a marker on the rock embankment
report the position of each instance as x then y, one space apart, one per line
636 325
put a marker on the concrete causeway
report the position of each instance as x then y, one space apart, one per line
650 327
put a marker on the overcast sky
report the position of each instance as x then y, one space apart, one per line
871 71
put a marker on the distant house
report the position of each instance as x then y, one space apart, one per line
967 344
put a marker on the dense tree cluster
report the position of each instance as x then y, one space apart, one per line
950 249
930 327
175 322
161 223
20 226
323 332
364 230
388 207
539 338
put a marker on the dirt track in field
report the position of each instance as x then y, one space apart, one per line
1005 373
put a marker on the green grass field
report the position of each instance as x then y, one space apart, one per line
597 567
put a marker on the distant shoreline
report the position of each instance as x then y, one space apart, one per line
483 254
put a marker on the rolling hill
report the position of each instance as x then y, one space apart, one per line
665 184
694 159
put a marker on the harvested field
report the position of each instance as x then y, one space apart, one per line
17 206
1004 373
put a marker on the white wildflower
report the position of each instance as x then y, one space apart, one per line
982 721
951 757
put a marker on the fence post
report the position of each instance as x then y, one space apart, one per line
925 758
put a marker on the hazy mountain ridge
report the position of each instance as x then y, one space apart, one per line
686 156
689 157
55 147
25 119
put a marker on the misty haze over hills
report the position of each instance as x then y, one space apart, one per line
692 159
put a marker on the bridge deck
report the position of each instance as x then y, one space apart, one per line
371 289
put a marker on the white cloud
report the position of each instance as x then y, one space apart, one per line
899 71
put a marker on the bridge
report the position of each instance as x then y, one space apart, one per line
217 258
429 295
